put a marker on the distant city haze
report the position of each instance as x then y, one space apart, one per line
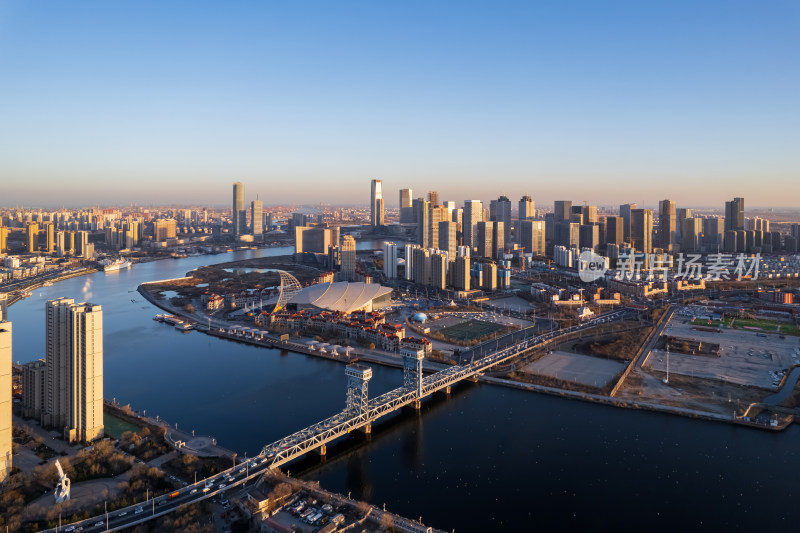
610 102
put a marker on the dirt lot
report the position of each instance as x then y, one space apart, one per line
583 369
745 358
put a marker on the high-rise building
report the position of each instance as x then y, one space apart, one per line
614 230
57 354
473 213
567 234
589 236
642 230
691 233
32 237
73 399
164 229
500 210
81 243
433 198
683 214
527 208
422 266
308 239
406 207
461 279
713 233
239 213
734 214
3 239
667 220
589 214
257 218
562 210
439 270
531 236
5 395
409 253
348 271
447 238
498 240
390 260
49 237
625 213
84 415
405 198
376 208
34 383
484 237
436 214
420 207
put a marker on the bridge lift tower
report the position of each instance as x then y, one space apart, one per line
412 372
358 377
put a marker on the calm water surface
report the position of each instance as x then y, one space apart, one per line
485 459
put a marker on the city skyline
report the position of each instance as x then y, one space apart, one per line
650 100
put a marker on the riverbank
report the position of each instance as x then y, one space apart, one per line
269 341
20 293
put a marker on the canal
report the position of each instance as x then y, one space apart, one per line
485 459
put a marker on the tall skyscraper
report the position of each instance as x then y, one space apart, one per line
614 230
239 213
32 237
34 383
406 207
473 213
734 214
447 238
390 259
405 198
526 208
642 230
625 213
376 208
423 220
74 369
348 271
562 210
422 266
5 394
433 198
667 221
484 237
49 237
439 270
257 218
436 214
501 212
56 356
409 253
3 239
531 236
461 279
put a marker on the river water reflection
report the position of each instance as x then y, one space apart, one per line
485 459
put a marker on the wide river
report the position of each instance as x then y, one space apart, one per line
485 459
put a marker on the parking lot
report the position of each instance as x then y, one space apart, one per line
745 357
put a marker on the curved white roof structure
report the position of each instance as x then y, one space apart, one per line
341 296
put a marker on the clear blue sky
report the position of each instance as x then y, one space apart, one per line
154 101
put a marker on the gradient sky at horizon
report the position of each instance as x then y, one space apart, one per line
170 102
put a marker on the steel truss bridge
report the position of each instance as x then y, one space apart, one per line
359 413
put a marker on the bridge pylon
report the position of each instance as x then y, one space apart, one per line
358 377
412 370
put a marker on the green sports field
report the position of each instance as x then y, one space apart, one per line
767 326
470 330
